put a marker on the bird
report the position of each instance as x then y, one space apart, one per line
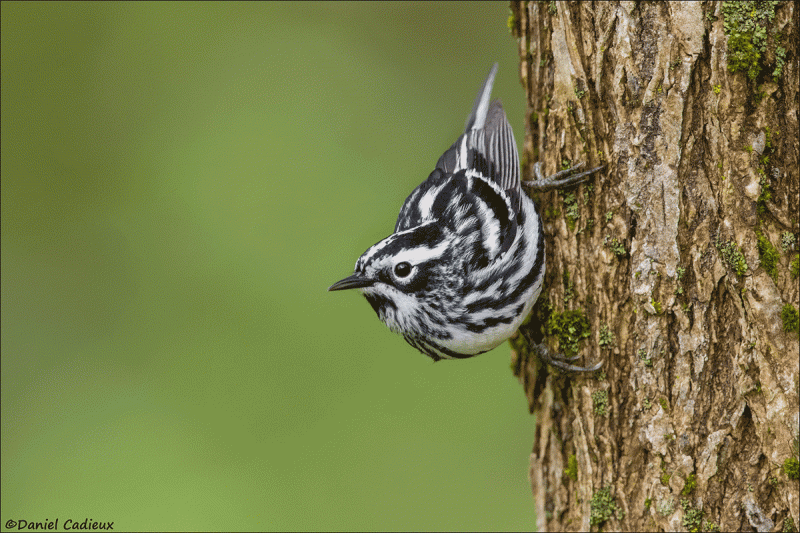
466 260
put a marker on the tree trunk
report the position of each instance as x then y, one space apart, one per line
676 266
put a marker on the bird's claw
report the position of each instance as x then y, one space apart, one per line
559 360
558 180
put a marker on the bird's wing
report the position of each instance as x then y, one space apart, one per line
487 144
486 149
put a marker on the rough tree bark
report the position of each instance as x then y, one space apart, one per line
674 266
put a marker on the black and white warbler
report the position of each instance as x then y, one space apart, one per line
466 261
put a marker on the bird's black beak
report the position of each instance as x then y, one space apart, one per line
356 281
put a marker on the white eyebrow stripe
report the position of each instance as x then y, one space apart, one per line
421 254
377 247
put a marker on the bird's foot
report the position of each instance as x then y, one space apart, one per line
556 359
559 180
561 361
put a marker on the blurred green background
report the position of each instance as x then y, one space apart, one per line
180 185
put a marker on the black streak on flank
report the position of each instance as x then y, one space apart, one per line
497 204
477 327
524 284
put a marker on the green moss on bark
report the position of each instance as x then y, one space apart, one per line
746 24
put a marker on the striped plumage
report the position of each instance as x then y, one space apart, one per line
466 261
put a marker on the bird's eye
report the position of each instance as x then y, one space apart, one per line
402 270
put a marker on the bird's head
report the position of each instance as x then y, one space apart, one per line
408 278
